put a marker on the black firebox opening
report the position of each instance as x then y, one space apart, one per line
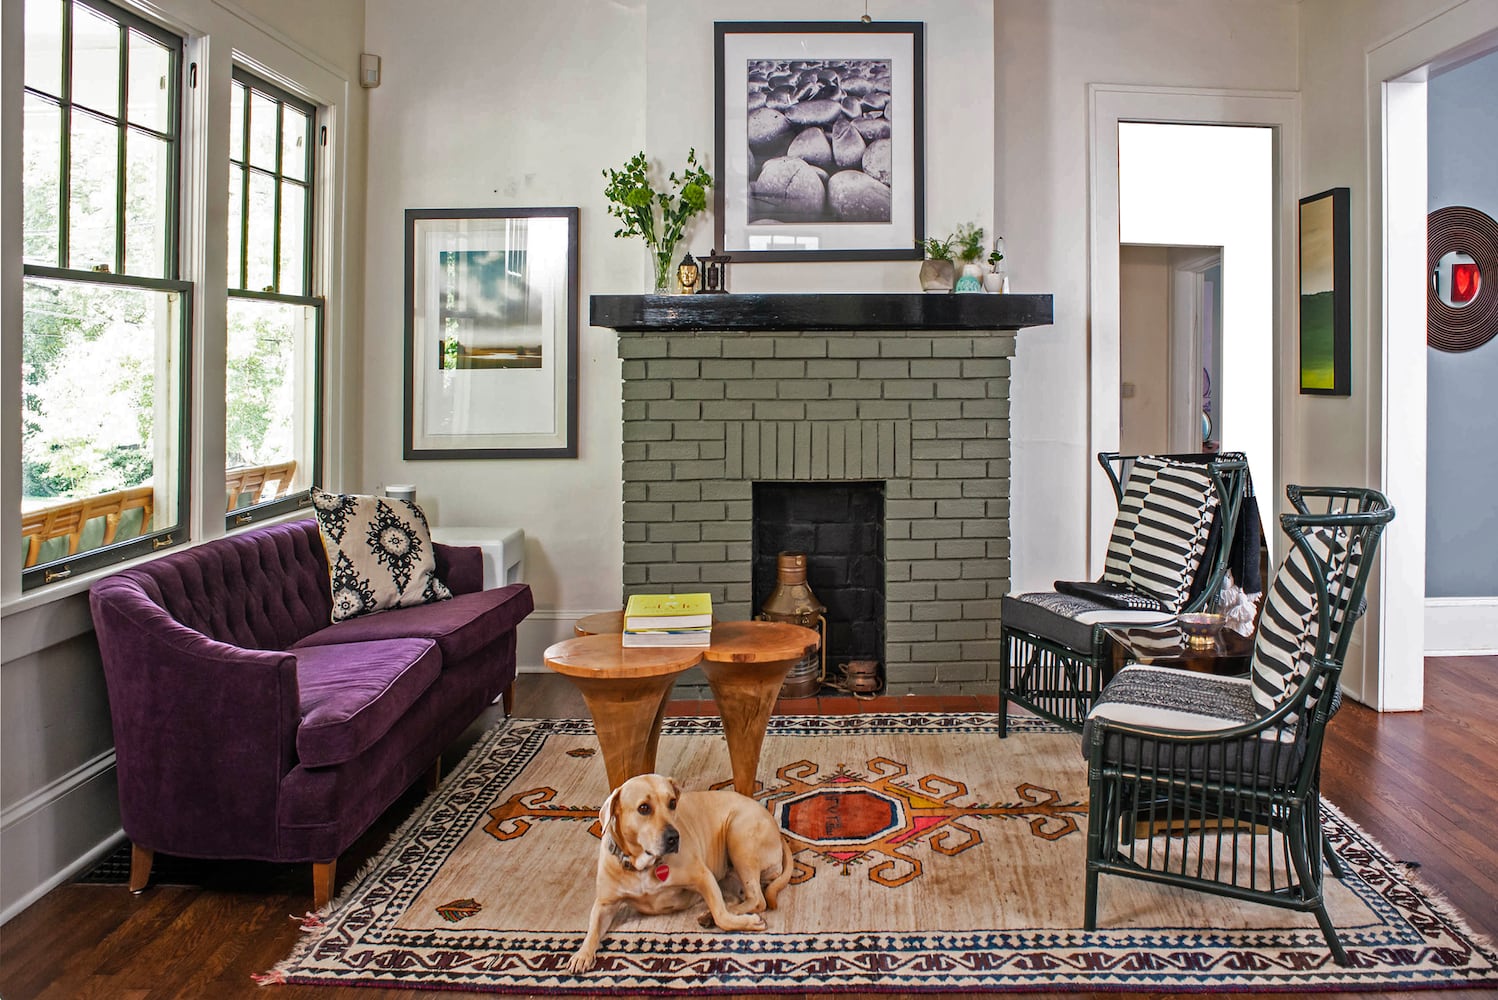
840 527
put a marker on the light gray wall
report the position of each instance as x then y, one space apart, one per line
1461 528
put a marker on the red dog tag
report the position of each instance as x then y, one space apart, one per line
662 872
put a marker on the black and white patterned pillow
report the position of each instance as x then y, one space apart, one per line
1286 643
379 553
1160 534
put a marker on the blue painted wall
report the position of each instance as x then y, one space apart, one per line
1461 533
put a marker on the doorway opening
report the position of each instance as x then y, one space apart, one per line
1170 349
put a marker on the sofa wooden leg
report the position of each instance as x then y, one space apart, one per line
434 775
508 699
140 867
323 875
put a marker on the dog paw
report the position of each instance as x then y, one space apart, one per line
705 920
580 962
744 922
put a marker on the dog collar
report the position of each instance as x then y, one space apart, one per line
617 851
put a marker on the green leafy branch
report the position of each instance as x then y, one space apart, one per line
634 201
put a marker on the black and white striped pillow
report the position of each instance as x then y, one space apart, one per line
1161 531
1286 643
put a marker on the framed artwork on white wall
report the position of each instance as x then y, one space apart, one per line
491 333
820 140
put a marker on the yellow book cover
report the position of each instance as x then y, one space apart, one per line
668 611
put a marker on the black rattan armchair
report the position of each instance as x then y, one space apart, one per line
1213 783
1054 657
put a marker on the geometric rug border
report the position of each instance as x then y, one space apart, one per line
1089 950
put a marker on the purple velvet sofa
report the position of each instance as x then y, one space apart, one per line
248 727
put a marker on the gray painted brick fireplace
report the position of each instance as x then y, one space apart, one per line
708 413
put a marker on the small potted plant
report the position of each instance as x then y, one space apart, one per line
997 279
936 269
968 246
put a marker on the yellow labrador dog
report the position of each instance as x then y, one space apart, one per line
662 848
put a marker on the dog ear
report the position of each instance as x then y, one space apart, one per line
675 788
607 815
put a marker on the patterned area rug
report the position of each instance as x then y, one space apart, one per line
930 856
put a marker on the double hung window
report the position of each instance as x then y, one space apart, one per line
272 434
105 316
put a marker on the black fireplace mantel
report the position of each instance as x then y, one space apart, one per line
781 312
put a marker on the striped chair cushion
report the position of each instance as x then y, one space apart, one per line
1286 644
1168 698
1164 518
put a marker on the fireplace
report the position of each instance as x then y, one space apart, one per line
726 395
709 415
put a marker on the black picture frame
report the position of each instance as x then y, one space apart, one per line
1325 287
491 317
811 63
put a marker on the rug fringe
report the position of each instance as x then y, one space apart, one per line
308 921
272 978
1437 901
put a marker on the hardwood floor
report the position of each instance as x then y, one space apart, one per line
1420 783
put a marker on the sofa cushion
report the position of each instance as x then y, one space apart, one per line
352 693
379 553
460 626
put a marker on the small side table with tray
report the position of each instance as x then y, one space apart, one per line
1167 646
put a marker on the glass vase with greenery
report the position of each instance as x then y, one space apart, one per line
657 217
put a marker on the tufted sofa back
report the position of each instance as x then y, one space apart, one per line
264 588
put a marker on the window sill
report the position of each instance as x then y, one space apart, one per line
63 589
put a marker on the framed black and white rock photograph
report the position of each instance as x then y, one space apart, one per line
491 333
820 140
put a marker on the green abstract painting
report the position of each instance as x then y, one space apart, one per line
1325 298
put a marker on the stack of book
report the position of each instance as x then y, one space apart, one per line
668 620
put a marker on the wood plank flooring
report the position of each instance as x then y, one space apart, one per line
1420 783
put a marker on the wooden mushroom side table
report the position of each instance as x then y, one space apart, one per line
626 690
600 623
746 664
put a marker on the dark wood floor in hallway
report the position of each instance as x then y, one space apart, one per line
1418 782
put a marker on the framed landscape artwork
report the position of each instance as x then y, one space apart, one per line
491 333
820 141
1325 295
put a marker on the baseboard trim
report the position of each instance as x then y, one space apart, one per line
56 789
82 863
1461 626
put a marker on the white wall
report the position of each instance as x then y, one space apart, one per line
1047 52
58 804
493 104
